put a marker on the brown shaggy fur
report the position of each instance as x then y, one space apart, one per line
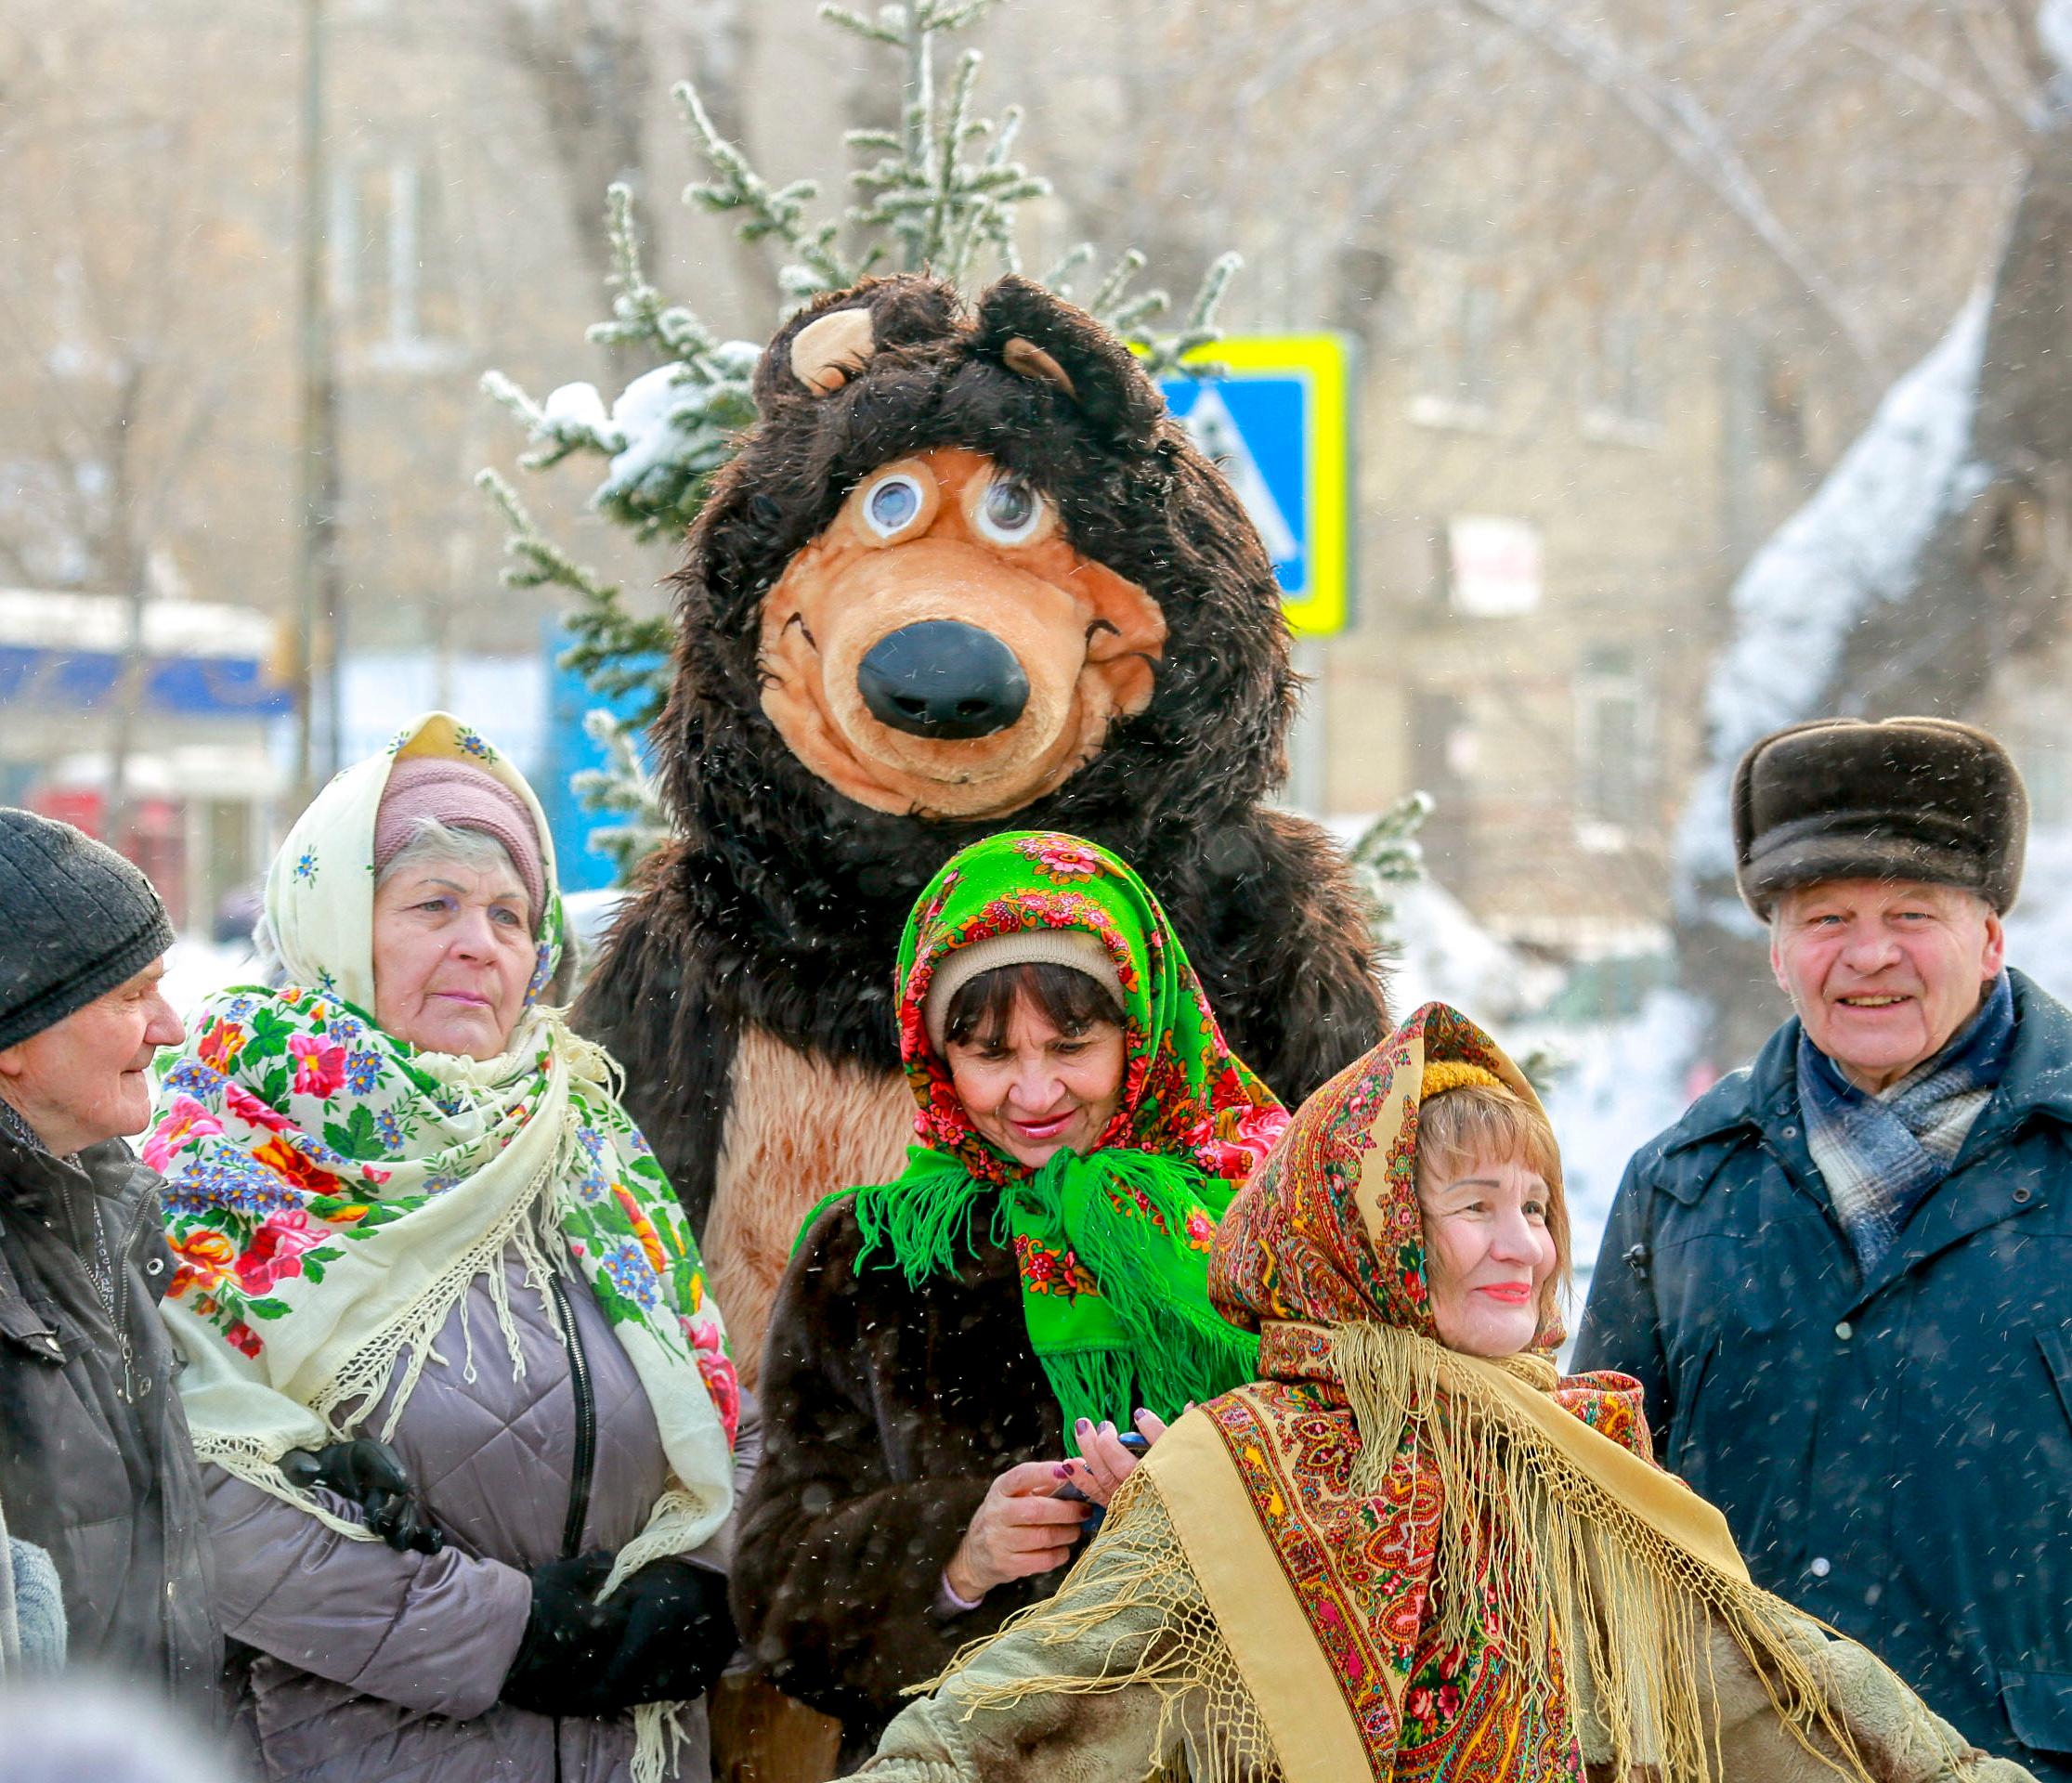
859 1124
779 908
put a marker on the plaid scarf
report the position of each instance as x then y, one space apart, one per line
1881 1155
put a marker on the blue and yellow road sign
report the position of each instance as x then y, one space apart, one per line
1279 427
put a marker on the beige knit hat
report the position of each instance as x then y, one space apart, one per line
460 796
1080 949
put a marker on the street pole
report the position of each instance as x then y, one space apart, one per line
316 592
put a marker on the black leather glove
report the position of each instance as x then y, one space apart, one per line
662 1636
371 1474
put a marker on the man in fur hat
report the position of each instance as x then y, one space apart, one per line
1845 1277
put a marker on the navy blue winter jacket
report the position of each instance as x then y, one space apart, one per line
1893 1451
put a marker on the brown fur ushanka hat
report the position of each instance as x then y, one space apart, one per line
1923 799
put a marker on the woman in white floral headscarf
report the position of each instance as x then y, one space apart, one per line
408 1210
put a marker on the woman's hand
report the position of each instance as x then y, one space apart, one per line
1103 1462
662 1636
1018 1530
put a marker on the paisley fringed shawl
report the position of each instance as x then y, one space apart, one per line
1415 1563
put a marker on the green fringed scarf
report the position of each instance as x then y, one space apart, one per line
1113 1248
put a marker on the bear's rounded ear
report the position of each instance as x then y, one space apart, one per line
832 349
1037 334
1032 361
825 346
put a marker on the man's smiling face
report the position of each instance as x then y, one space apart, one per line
1883 972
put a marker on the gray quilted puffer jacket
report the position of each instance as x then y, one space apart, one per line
373 1665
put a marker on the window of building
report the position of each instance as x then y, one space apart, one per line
1457 371
1623 395
1492 567
1443 742
1614 776
392 283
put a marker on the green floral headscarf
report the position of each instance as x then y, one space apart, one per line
1112 1247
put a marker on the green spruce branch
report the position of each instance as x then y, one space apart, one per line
640 318
771 211
622 790
616 651
1386 856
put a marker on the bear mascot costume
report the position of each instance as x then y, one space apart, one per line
967 573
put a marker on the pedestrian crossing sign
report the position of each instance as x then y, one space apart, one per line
1278 424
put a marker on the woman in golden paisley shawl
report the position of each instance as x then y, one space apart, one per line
1413 1550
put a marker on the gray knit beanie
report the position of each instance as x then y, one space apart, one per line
76 919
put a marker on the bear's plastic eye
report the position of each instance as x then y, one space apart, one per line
1009 511
892 504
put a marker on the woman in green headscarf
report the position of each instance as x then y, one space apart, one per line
1035 1281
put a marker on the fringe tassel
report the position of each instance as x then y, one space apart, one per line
1528 1537
923 1216
529 1226
667 1532
1174 1347
1170 1646
1602 1620
657 1735
1179 1347
246 1459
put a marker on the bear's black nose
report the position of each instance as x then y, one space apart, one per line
943 678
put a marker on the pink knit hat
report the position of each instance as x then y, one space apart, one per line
461 796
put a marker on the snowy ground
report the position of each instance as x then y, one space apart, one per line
1621 1084
195 968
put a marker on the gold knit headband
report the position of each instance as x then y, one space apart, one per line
1444 1075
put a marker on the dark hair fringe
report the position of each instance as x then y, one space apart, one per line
1068 999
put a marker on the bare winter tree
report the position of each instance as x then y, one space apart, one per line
1740 190
600 70
1940 549
104 357
1650 132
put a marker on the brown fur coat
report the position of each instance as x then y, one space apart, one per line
889 1411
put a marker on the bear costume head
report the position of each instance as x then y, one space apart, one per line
955 556
966 574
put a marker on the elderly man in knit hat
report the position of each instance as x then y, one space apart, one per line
1845 1277
96 1466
